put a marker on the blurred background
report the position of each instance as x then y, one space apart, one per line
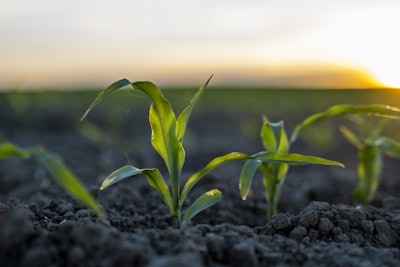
307 44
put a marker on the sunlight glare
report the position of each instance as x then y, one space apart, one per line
389 76
370 42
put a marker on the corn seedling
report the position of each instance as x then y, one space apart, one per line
61 173
371 144
274 139
167 133
369 140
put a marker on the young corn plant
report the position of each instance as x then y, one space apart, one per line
372 144
167 134
61 173
275 142
369 140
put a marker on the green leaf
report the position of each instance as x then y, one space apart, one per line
164 138
195 178
153 176
389 146
67 180
369 171
185 115
294 159
246 176
8 150
120 174
157 181
109 90
273 136
203 202
340 110
351 137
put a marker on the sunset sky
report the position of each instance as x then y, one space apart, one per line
309 43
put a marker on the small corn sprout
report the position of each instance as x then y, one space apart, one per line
370 142
61 173
274 139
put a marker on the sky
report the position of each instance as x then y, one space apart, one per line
309 43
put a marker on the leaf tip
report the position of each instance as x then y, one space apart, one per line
104 185
83 117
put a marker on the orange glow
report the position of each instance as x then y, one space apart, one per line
228 73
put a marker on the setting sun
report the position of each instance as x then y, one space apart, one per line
389 77
366 40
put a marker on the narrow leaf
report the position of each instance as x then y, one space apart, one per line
294 159
109 90
185 115
203 202
153 177
120 174
195 178
8 150
369 172
157 181
67 180
389 146
246 176
351 137
164 140
163 125
340 110
273 136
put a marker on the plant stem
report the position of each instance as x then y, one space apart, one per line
272 208
272 194
176 219
176 215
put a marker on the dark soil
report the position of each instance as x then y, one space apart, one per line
320 224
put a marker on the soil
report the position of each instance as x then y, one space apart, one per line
319 224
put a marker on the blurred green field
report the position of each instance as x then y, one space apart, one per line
221 110
288 104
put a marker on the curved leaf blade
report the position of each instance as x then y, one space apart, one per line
109 90
153 177
369 172
246 176
203 202
120 174
67 180
8 150
351 137
195 178
273 136
340 110
294 159
185 115
389 146
164 139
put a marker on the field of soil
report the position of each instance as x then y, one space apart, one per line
319 223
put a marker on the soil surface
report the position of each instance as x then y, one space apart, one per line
319 224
